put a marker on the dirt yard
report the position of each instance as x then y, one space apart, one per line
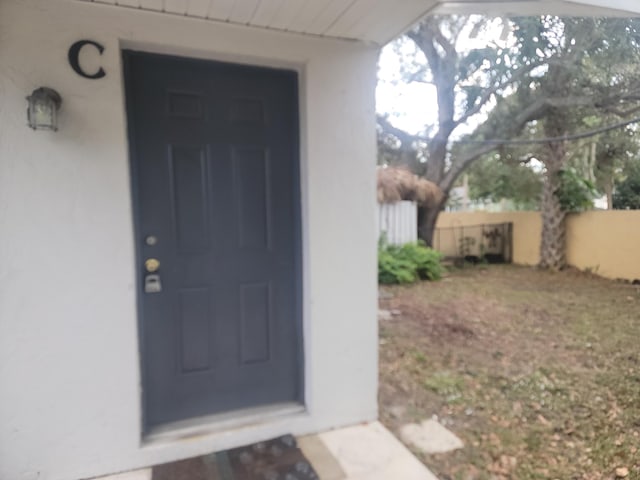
538 373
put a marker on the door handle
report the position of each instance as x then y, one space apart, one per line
152 265
152 282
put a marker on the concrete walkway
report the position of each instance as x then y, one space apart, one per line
362 452
370 452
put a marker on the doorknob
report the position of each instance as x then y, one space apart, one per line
152 282
152 265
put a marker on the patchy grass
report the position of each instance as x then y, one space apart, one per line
538 373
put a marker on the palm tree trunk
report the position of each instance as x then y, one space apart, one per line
608 190
552 245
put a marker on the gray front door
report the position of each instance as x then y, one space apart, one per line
214 157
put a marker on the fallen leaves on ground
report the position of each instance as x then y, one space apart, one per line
537 372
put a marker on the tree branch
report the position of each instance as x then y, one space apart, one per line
448 47
418 77
460 164
387 127
489 92
622 113
424 41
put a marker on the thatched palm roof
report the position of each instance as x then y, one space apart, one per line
397 183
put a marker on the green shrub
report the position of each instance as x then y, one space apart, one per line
407 263
576 194
627 192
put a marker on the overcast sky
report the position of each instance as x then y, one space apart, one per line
412 106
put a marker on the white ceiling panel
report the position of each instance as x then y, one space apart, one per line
221 9
357 9
308 18
243 11
632 6
266 13
286 14
374 21
527 7
156 5
176 6
198 8
328 16
393 18
129 3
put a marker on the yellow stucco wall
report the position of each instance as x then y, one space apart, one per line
605 242
527 227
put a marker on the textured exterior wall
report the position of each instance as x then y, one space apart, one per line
69 362
604 242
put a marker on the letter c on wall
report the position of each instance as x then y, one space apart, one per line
74 59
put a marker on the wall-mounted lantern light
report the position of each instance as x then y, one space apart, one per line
44 104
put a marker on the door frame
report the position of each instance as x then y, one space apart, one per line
127 52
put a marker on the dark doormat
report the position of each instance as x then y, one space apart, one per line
277 459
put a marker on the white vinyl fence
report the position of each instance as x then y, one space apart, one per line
398 221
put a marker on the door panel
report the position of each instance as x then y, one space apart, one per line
188 173
214 157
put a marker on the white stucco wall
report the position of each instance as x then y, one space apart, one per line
69 374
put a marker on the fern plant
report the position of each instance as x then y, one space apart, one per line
407 263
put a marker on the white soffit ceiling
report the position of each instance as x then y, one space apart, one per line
373 21
591 8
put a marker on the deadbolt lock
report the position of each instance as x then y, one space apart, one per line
152 283
152 265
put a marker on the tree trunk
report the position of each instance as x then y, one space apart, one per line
608 190
552 245
427 219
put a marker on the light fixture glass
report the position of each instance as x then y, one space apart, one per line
42 114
